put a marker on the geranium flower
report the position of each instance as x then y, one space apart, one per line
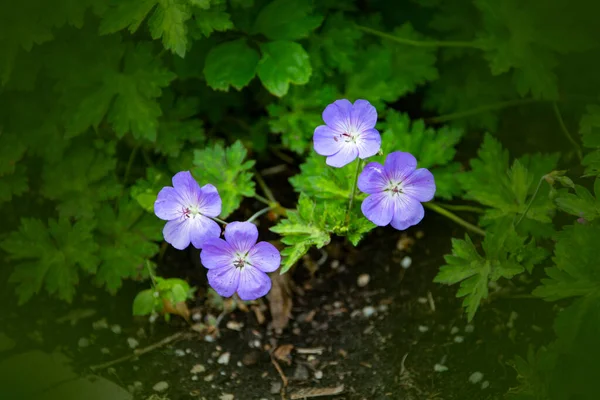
187 207
396 191
238 263
350 132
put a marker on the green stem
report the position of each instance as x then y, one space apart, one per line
218 220
130 163
354 184
264 187
537 189
461 207
455 218
259 213
418 43
564 129
261 199
478 110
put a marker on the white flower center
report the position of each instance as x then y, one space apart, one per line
191 212
346 137
240 260
394 188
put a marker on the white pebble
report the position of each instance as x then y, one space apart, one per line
194 377
440 368
188 351
152 318
116 329
476 377
105 350
423 300
209 339
209 378
224 358
197 369
459 339
179 353
406 262
485 385
368 311
226 396
335 264
363 280
83 342
234 325
318 374
196 316
454 330
161 386
100 324
469 328
383 307
133 343
423 328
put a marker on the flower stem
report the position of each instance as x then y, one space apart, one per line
261 199
218 220
354 184
264 187
442 211
418 43
537 189
130 164
564 129
478 110
462 207
259 213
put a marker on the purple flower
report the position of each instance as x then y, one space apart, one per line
349 132
187 207
238 263
396 191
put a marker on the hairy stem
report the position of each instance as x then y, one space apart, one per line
218 220
353 193
259 213
462 207
537 189
450 215
479 110
418 43
264 187
261 199
564 129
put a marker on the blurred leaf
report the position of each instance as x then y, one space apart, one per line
283 63
230 64
287 20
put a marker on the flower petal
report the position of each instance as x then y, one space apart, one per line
168 204
399 165
337 115
368 143
265 257
253 283
378 208
203 229
210 201
408 211
346 155
363 116
420 185
326 141
177 232
241 235
187 188
216 253
372 179
224 280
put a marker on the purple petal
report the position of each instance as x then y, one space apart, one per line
407 212
337 115
253 283
378 208
372 179
241 235
187 187
325 141
177 233
216 253
399 165
203 229
210 201
345 156
265 257
369 143
168 204
224 280
420 185
363 116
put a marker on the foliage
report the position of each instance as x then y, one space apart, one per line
163 297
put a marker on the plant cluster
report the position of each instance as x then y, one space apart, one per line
103 101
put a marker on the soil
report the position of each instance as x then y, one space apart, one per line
398 337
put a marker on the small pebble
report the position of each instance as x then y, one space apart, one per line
161 386
179 353
338 304
209 378
454 330
83 342
368 311
194 377
234 325
251 358
224 358
423 300
318 374
275 387
152 318
105 350
440 368
100 324
133 343
469 328
363 280
196 316
116 329
485 385
459 339
383 307
137 384
423 328
197 369
256 343
335 264
226 396
476 377
209 339
406 262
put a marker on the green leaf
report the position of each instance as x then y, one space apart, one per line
589 128
125 14
143 304
169 23
14 184
287 20
318 180
145 191
211 20
576 270
506 254
227 169
509 196
230 64
127 236
50 256
179 127
581 204
283 63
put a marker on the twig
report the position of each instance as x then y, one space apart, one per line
264 187
455 218
284 379
140 352
564 129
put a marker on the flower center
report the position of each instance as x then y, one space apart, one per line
191 212
240 261
394 188
347 137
